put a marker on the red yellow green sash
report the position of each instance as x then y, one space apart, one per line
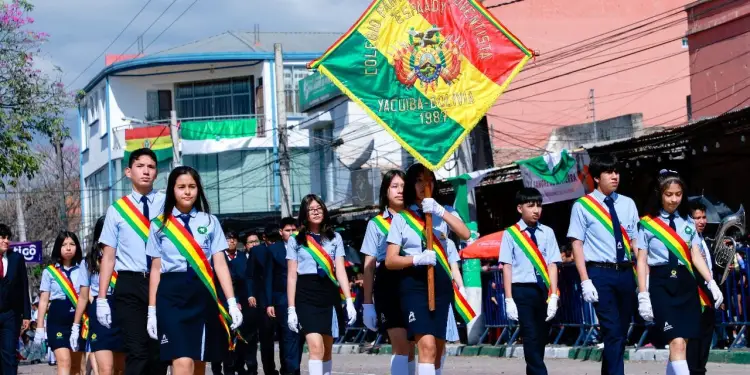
459 302
531 250
602 215
677 246
70 291
113 280
324 260
383 224
196 258
133 217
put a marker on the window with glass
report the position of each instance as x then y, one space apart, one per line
292 75
215 99
97 191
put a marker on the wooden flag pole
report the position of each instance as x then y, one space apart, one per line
427 179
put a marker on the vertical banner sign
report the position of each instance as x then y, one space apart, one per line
31 251
425 70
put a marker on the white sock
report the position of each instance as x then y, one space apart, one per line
412 367
315 367
400 365
680 367
327 367
426 369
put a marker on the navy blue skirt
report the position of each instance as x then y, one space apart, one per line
317 300
387 307
414 303
674 298
59 322
188 320
101 337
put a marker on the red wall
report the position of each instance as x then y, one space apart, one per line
544 25
720 50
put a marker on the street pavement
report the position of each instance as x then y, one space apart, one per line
361 364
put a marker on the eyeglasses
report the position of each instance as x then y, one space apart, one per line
316 210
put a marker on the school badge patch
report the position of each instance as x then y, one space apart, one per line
202 230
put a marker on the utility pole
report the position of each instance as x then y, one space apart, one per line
20 219
286 204
63 202
174 132
592 104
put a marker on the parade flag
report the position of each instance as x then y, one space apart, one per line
210 137
157 138
425 70
558 176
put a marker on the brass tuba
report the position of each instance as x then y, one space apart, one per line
725 245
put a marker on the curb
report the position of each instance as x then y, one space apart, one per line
551 352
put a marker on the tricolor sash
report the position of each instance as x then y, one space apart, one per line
459 302
533 254
383 224
321 257
676 246
70 291
113 280
592 206
133 216
196 258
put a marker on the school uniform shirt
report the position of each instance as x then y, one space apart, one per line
658 253
706 253
48 284
375 243
130 252
91 280
410 241
206 230
598 242
511 253
452 252
306 264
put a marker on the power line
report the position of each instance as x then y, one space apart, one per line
110 44
149 27
170 25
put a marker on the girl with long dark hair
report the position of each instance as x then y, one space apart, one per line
187 245
315 274
385 314
406 251
668 243
104 343
60 287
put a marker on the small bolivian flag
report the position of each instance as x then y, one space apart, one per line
425 70
157 138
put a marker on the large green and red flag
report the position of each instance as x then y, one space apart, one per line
156 137
425 70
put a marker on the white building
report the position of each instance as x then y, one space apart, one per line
228 77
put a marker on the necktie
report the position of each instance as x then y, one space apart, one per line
619 248
672 257
186 220
319 270
539 279
144 200
2 269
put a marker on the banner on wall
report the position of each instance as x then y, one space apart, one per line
558 176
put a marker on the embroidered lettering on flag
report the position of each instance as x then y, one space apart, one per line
67 287
531 250
133 216
324 260
677 246
426 71
459 302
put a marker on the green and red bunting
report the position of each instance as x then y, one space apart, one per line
425 70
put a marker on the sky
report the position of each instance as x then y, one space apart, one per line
81 29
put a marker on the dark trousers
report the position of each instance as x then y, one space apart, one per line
10 329
244 358
616 289
530 300
698 349
290 342
131 312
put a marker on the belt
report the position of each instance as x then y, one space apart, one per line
622 266
665 266
133 273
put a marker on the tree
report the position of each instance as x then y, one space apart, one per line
31 104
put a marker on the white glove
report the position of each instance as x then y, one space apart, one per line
589 291
644 306
370 317
75 333
39 336
103 313
351 312
552 307
151 323
291 319
716 293
235 313
510 309
430 206
462 291
426 258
